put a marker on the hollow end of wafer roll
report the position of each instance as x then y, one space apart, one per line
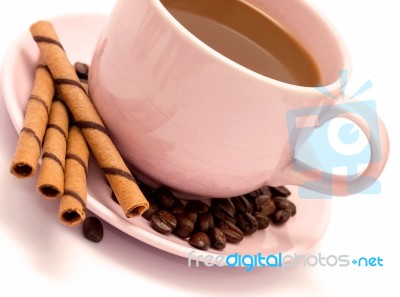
72 210
22 170
28 149
50 182
72 217
50 191
129 196
137 210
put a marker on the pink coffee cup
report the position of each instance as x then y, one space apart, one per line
187 117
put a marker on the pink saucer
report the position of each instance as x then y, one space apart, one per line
79 34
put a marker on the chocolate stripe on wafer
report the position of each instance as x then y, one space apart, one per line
116 171
54 158
50 182
28 150
43 66
48 40
72 210
66 81
58 128
130 198
79 160
41 101
33 134
91 125
76 196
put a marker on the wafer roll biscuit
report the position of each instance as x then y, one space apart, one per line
50 182
85 85
29 144
130 198
72 211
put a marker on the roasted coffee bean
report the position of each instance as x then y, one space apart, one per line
204 222
184 226
217 238
242 204
226 205
192 216
262 220
265 190
163 221
259 201
223 210
153 208
282 203
196 206
292 208
220 215
268 207
232 232
114 198
82 70
252 195
200 240
93 229
247 223
178 207
281 216
280 191
164 198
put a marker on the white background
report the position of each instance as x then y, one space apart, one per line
40 256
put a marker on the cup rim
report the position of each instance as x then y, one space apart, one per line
320 17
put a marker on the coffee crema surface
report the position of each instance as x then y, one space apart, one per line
248 37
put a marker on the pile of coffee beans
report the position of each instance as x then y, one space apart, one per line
222 221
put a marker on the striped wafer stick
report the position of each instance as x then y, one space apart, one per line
72 211
129 196
29 145
50 182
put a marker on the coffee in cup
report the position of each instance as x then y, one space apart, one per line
249 37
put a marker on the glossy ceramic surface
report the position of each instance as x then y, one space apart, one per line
192 119
79 33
